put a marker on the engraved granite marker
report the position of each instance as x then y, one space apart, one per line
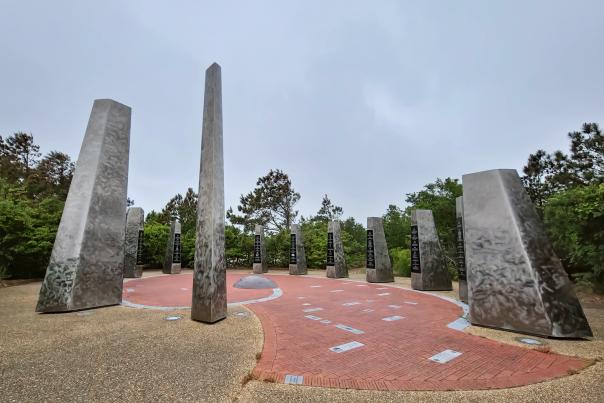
259 266
429 270
336 263
133 245
209 302
379 268
297 251
87 260
172 257
461 251
515 280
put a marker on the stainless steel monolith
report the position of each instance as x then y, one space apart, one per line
133 243
336 263
461 252
429 270
87 260
297 256
209 302
379 267
259 264
172 259
515 280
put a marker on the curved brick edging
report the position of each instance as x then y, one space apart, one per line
395 354
173 292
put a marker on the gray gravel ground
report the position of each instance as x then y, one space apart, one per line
125 354
119 354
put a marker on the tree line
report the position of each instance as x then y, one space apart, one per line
567 190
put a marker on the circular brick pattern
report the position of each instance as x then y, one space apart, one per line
174 291
399 338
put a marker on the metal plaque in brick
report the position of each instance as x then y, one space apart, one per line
415 263
176 252
257 253
292 250
461 250
370 250
139 247
330 252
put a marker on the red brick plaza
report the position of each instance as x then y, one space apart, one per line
351 334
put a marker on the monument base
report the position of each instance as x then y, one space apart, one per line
332 273
421 284
257 268
207 314
137 273
463 291
174 269
377 276
296 271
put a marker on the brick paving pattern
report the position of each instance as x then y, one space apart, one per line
395 354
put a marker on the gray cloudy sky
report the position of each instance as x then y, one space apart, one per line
365 101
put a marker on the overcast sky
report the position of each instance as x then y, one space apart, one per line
364 101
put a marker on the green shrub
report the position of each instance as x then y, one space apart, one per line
574 220
156 238
401 262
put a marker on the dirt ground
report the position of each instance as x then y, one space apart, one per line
126 354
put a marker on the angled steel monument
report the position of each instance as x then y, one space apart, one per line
429 270
172 258
297 256
461 251
379 268
259 264
87 260
336 263
515 280
209 302
133 244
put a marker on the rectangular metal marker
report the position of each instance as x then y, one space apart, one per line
445 356
346 347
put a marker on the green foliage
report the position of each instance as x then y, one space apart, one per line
187 249
314 233
27 232
270 204
401 262
277 248
354 238
156 239
575 223
547 174
396 228
328 210
239 247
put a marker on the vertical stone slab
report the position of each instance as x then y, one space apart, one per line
297 256
87 260
461 252
172 258
209 302
428 263
336 263
515 280
379 267
133 244
259 265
